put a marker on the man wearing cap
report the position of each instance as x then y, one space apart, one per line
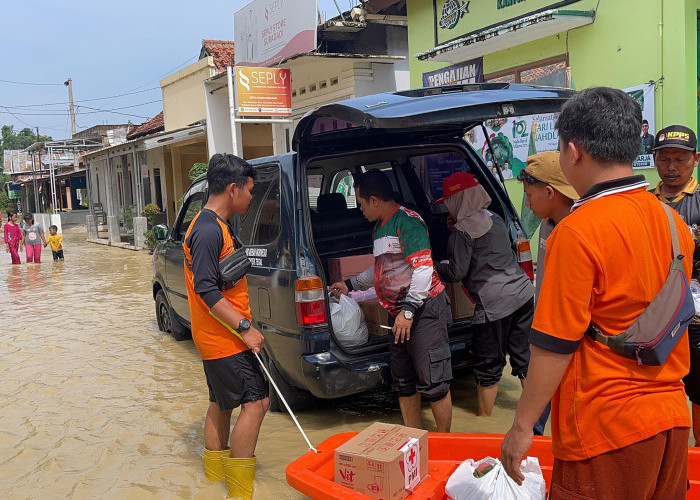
549 195
676 157
480 255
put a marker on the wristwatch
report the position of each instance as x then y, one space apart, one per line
407 314
243 325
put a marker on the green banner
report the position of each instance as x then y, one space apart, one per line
455 18
15 194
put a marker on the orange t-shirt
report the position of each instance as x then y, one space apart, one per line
604 263
208 240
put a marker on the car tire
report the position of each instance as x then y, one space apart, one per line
167 321
297 399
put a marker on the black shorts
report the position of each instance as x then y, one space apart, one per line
492 340
423 364
58 254
235 380
692 380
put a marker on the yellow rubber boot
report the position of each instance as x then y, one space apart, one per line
240 477
213 468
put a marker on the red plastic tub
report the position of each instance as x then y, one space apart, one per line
312 473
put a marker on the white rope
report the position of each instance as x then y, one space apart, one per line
279 393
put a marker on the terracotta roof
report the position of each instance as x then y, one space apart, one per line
222 51
155 124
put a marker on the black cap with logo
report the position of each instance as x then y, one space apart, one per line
676 136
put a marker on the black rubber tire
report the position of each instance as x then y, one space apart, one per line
167 322
297 399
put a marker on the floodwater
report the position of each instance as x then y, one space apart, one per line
97 403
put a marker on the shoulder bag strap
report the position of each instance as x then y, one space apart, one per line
676 263
674 231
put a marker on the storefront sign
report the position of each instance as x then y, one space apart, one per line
263 92
452 12
457 18
644 95
466 72
267 31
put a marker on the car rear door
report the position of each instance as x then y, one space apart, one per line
417 116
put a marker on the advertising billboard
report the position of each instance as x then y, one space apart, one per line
263 92
267 31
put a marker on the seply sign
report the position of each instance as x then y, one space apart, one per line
263 92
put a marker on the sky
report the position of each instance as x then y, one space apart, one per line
107 49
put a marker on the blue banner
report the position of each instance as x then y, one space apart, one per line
466 72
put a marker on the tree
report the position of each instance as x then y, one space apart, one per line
21 140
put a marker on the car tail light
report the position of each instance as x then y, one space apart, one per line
310 299
525 257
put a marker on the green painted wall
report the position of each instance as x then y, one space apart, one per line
630 42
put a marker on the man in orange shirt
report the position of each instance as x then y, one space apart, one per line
619 429
233 374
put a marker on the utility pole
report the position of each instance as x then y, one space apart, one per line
69 83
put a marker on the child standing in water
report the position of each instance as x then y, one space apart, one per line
33 238
13 236
56 242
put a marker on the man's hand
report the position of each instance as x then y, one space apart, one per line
402 329
253 339
339 288
514 447
451 223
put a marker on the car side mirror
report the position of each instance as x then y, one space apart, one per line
160 232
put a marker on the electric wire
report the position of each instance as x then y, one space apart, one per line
28 83
81 100
94 110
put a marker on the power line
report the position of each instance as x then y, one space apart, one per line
81 100
96 110
28 83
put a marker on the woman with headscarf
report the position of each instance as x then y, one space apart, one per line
481 256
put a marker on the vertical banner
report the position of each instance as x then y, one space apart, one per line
263 92
644 95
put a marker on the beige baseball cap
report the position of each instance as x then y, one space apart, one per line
545 168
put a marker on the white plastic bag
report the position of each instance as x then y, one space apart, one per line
495 484
695 290
348 322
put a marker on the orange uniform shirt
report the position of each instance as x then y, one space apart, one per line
605 262
208 240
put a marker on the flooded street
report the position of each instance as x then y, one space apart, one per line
97 403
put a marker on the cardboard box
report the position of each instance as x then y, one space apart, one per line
384 461
375 315
462 306
341 268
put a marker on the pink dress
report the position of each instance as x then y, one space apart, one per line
13 236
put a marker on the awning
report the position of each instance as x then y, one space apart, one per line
174 137
505 36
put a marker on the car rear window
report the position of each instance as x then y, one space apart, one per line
432 168
260 225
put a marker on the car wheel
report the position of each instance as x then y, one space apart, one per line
297 399
167 322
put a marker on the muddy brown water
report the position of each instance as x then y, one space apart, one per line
97 403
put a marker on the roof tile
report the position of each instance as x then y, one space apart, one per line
222 51
155 124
